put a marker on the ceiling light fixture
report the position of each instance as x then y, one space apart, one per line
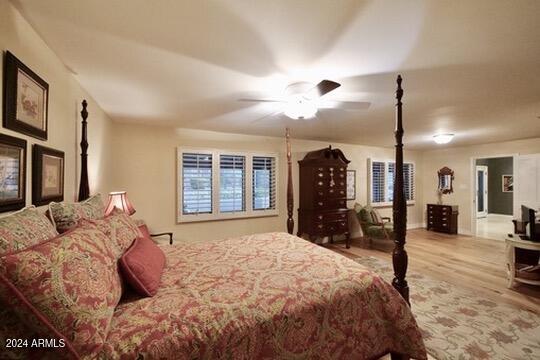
443 138
300 107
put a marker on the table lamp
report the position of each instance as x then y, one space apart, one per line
119 199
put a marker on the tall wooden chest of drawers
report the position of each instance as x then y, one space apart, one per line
442 218
323 195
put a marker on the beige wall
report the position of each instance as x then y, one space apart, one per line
145 166
459 160
65 95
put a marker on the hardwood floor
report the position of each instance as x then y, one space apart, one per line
470 262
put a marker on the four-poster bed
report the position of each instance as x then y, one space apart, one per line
399 205
269 295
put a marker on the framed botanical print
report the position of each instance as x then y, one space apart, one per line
47 175
26 98
12 173
351 184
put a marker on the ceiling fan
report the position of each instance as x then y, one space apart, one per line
302 100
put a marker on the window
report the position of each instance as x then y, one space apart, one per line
197 183
232 181
382 182
264 183
217 185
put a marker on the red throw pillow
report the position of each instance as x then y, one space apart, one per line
142 265
66 288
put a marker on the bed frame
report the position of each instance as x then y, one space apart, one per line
399 206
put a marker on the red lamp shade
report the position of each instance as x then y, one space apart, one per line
119 199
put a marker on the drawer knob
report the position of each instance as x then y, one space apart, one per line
320 217
320 226
320 174
342 215
320 183
342 192
320 193
320 203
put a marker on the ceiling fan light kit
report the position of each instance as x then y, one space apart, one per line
300 108
443 138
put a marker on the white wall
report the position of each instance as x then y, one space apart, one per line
459 160
145 166
65 95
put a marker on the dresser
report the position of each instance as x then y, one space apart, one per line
442 218
323 195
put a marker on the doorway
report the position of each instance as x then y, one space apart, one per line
481 191
493 197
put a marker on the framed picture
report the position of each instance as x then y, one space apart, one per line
26 98
47 175
12 173
508 183
351 184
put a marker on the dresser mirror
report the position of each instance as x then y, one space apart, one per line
446 177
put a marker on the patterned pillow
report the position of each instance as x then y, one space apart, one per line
66 215
120 228
376 218
23 229
65 288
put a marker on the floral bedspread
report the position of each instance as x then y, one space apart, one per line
263 296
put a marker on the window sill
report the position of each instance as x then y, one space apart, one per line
238 216
389 204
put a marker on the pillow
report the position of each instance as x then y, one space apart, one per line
142 266
65 288
375 216
65 215
120 228
23 229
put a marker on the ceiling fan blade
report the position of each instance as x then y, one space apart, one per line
345 105
266 116
322 88
261 100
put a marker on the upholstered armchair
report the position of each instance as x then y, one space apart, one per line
375 226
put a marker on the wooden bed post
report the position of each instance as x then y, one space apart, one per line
290 193
84 189
399 206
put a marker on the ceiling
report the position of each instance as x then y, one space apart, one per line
470 67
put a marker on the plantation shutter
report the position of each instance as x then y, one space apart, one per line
408 181
377 181
232 183
196 183
264 183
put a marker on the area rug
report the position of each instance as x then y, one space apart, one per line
459 324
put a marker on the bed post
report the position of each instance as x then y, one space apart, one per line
290 193
399 206
84 189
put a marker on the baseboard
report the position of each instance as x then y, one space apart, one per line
423 225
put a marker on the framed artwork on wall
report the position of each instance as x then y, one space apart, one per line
508 183
351 184
47 175
26 97
12 173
